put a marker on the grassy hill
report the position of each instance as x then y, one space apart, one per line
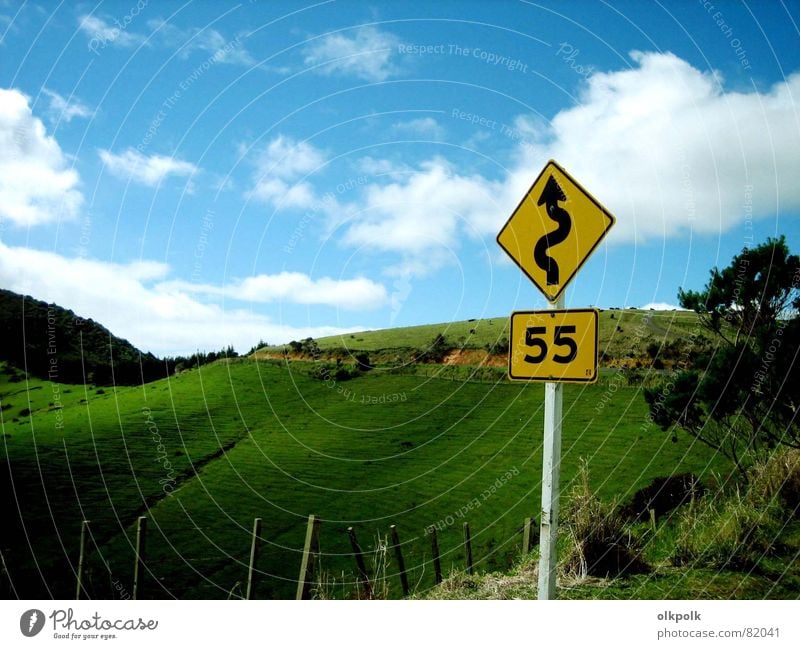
627 337
205 451
208 450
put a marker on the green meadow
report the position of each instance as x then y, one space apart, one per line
206 451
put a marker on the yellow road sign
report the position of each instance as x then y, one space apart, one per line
554 229
559 346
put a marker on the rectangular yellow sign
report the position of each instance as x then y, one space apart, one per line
558 345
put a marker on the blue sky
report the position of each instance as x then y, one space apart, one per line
200 174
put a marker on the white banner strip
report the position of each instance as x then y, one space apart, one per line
483 624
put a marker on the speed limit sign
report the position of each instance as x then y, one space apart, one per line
550 235
559 346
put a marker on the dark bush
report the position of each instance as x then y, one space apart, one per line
337 372
435 352
498 347
363 362
663 495
599 545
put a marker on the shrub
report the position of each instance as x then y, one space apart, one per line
435 352
777 479
363 362
632 376
728 533
663 495
739 529
599 543
337 372
498 347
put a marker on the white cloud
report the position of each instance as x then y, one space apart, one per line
119 32
424 210
207 40
102 34
298 288
661 145
382 167
36 184
281 168
666 149
147 170
660 306
421 127
287 159
366 55
136 302
66 109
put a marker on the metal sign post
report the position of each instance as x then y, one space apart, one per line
551 466
550 235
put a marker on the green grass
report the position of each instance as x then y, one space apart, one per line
374 451
774 576
743 543
475 334
665 583
623 333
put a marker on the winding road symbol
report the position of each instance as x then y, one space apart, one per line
553 230
551 196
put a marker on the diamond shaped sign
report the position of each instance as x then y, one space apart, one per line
554 229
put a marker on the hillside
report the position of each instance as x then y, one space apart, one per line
49 341
627 338
206 451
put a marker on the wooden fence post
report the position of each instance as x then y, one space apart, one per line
254 547
81 556
653 519
437 562
468 547
310 556
528 535
139 566
362 568
401 564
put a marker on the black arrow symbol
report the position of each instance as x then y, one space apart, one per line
551 195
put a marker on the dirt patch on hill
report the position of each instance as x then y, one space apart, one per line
473 357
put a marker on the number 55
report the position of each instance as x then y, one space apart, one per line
560 339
